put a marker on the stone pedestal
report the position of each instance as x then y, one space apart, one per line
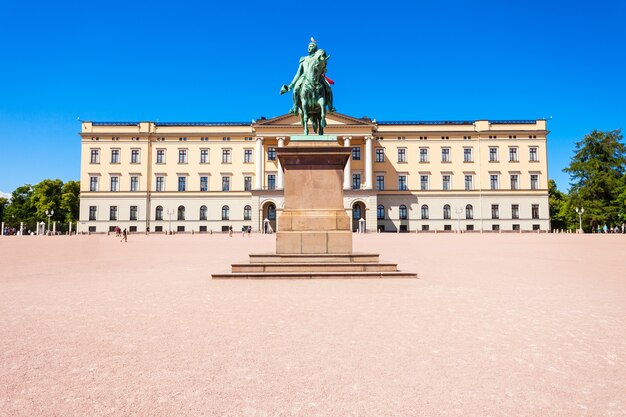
313 220
314 236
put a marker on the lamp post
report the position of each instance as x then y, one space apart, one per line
169 213
458 212
580 218
49 213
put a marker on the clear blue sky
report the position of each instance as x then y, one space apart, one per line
198 61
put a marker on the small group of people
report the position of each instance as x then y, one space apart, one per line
121 233
244 229
10 231
611 229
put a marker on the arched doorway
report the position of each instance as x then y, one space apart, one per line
269 213
358 212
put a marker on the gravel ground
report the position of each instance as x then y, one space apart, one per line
497 325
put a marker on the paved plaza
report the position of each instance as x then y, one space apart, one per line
496 325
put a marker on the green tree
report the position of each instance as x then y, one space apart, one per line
46 196
70 200
3 203
597 177
20 209
557 203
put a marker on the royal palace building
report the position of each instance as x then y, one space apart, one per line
403 176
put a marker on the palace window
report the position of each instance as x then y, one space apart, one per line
493 154
133 213
513 155
380 155
356 153
95 156
113 213
534 181
158 213
182 156
271 153
380 212
424 182
247 156
467 155
93 183
134 156
445 154
445 182
225 213
92 212
401 154
115 183
271 181
160 183
115 156
495 211
535 211
380 182
134 183
424 212
515 211
247 183
493 182
403 212
226 156
204 183
356 212
447 212
247 213
160 156
181 213
532 154
423 154
271 212
469 212
204 156
356 181
203 213
514 182
469 180
225 183
402 183
182 183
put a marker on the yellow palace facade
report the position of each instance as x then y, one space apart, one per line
403 176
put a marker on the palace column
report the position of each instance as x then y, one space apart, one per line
281 143
347 173
258 148
368 163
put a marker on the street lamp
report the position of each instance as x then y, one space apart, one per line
49 213
169 213
458 212
580 217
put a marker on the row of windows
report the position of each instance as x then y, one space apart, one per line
533 155
180 213
446 182
271 155
447 212
182 183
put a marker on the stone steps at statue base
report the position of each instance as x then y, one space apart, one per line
314 275
313 258
314 267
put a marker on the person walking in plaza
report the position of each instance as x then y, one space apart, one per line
230 231
124 236
250 230
243 231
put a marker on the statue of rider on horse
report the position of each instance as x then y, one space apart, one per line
312 94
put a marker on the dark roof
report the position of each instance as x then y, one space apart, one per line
456 122
202 123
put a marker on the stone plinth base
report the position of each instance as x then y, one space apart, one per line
314 266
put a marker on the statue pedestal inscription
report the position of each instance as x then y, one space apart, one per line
313 219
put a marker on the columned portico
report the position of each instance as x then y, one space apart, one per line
281 175
368 163
347 173
259 174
